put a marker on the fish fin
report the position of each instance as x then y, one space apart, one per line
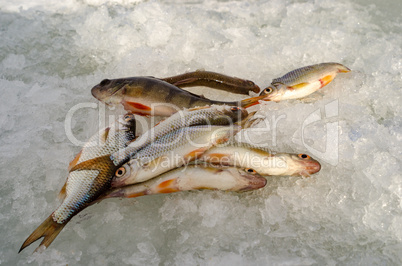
326 80
105 134
97 163
300 85
249 121
168 186
217 158
195 154
49 230
139 106
62 193
251 101
74 161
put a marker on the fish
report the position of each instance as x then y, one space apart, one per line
194 177
261 159
213 80
149 96
90 174
302 81
208 115
170 151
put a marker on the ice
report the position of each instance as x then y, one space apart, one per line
51 54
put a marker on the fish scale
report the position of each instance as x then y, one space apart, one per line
172 150
193 177
90 176
302 81
261 159
214 115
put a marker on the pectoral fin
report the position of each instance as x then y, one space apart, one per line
300 85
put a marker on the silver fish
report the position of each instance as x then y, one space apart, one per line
89 177
302 81
194 177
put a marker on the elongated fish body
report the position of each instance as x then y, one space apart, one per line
262 160
172 150
152 96
213 80
90 176
194 177
302 81
210 115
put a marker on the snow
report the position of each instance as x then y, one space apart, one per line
349 213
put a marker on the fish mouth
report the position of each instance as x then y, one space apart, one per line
104 92
310 168
118 182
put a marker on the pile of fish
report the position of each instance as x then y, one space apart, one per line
192 148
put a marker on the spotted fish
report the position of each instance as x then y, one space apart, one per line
151 96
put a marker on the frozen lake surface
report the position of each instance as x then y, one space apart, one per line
350 213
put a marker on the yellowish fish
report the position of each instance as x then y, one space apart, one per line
302 81
262 160
90 175
194 177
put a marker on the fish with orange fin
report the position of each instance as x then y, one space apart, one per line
151 96
302 81
170 151
213 80
89 177
194 177
207 115
261 159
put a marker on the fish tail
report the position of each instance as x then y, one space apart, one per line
49 229
251 101
249 121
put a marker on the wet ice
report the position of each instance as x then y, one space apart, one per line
349 213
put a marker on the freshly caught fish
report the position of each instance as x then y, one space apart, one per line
89 177
152 96
209 115
213 80
262 160
302 81
194 177
170 151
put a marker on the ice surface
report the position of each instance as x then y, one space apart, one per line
349 213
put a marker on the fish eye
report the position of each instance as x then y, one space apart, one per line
120 172
268 90
303 156
128 117
105 82
251 171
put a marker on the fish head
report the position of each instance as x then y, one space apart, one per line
121 176
274 92
254 179
127 122
107 89
302 165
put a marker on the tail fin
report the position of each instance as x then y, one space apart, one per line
49 229
251 101
249 121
